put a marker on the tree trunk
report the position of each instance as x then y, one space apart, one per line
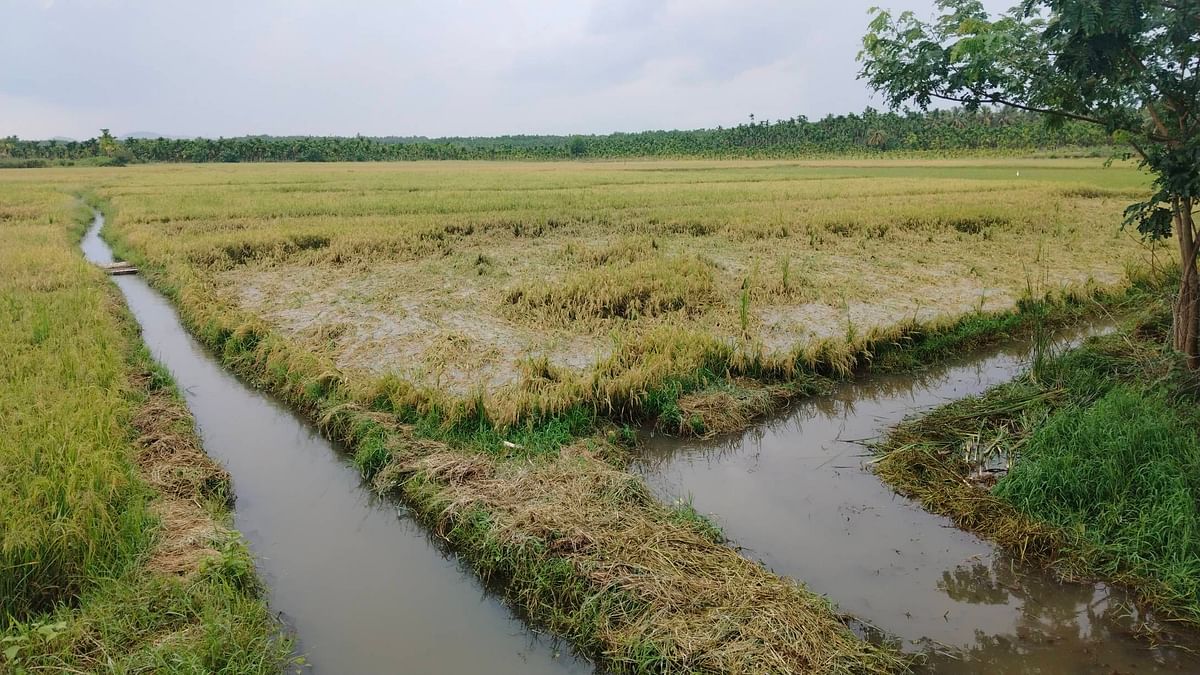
1186 314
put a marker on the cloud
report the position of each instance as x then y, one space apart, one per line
227 67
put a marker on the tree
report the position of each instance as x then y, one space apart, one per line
1129 66
108 144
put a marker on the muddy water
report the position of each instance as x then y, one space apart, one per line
794 492
364 588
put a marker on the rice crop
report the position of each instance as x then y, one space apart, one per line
114 550
71 507
455 276
464 327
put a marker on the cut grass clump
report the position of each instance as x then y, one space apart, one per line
643 289
1105 481
583 549
731 405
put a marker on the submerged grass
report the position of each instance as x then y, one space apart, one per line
1105 478
115 553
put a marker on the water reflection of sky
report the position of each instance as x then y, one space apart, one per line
794 493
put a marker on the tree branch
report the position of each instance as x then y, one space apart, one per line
1158 123
1140 151
990 98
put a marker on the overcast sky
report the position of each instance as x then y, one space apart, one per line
432 68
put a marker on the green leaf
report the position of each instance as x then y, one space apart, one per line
51 630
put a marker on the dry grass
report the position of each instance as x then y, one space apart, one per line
186 481
694 604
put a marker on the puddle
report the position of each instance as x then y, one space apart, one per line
795 494
364 588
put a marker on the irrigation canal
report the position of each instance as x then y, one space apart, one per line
797 494
362 586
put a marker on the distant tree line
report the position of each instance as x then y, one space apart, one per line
872 132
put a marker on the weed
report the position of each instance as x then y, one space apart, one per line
744 306
1104 457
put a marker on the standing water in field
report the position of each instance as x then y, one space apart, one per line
363 587
795 492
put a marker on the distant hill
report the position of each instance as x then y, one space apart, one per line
149 135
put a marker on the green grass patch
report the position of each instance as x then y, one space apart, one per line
141 622
1105 481
1123 475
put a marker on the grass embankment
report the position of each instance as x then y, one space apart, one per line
115 554
1106 480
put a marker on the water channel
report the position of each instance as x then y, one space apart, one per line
362 586
796 492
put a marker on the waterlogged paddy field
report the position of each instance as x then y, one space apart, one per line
539 286
535 283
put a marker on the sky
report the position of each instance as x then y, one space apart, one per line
426 68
